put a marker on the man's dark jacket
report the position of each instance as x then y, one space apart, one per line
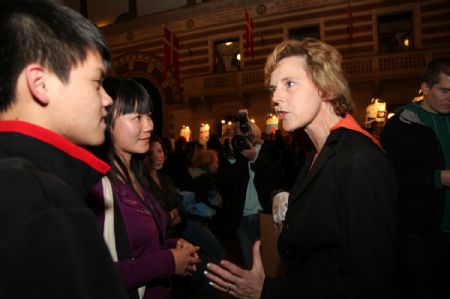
415 152
268 178
50 246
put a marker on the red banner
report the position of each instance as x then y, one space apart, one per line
171 55
249 26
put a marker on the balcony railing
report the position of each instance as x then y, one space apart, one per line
376 67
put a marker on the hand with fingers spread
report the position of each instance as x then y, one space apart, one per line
231 279
186 257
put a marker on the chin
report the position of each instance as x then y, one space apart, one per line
144 150
287 127
93 141
444 111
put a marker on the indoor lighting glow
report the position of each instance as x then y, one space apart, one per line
406 42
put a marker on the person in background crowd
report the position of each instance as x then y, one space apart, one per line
52 63
248 179
417 140
163 188
290 161
132 221
175 164
339 234
201 185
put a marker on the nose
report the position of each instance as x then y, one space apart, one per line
106 99
148 124
276 97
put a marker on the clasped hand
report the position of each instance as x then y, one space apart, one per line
186 257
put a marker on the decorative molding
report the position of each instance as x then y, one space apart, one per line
152 70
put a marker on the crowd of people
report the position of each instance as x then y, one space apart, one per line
95 205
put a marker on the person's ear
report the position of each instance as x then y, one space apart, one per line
36 76
323 96
425 88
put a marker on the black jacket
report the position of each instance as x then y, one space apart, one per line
340 239
268 178
50 246
416 154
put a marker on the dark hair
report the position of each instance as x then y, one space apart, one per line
434 69
128 96
204 157
45 32
180 145
191 150
155 138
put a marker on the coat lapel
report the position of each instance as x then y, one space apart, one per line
298 185
307 176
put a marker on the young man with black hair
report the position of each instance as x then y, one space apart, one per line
52 62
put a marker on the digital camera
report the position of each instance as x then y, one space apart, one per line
241 142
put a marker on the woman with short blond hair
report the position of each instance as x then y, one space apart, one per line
339 233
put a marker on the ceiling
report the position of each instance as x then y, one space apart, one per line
105 12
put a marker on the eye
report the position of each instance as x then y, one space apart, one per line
290 84
98 83
137 117
272 89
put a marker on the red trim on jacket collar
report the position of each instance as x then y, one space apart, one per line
350 123
49 137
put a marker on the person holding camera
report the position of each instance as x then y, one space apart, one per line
249 178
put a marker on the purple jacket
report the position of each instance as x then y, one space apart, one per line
151 263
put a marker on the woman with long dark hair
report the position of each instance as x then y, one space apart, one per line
132 221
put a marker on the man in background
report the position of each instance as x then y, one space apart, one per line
52 63
417 140
248 180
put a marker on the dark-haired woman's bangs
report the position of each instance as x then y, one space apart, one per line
144 105
135 103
